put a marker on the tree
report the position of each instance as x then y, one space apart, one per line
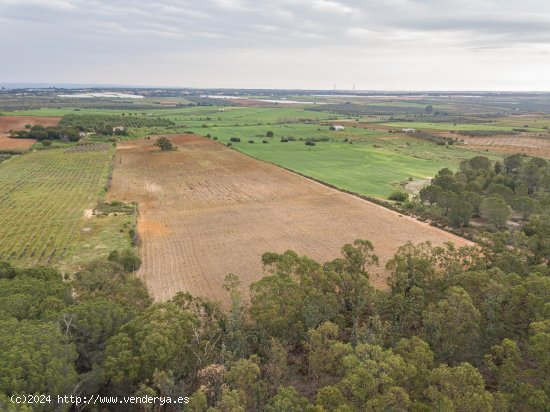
446 199
512 163
430 193
276 367
504 367
530 174
429 109
319 347
498 189
459 389
460 213
474 199
524 205
269 133
159 338
495 210
287 399
164 144
129 261
452 327
35 359
244 376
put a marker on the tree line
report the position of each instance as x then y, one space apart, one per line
458 329
517 188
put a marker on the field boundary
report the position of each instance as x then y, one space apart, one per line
371 199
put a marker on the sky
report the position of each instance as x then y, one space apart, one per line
305 44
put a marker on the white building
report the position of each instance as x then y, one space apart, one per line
338 127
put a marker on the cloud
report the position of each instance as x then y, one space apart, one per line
335 40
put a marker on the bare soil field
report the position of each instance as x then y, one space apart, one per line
206 210
525 144
8 123
7 143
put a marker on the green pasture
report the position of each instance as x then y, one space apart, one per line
373 164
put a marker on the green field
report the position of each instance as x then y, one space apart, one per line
43 198
373 164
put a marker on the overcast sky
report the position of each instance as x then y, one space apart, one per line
372 44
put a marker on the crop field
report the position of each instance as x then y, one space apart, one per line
43 198
8 123
215 211
373 164
529 145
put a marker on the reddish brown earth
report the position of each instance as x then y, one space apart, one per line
206 210
9 123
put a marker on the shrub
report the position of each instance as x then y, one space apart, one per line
164 144
310 143
235 139
284 140
46 142
265 141
398 195
269 134
251 141
229 144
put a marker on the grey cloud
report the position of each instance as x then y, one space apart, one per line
74 33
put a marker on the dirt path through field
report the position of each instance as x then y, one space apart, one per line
207 210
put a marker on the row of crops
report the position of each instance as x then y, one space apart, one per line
98 122
43 196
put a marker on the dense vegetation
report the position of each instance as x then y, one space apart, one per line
39 132
463 330
518 189
104 124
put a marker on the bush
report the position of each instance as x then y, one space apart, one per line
310 143
269 134
398 195
251 141
265 141
229 144
284 140
235 139
46 143
164 143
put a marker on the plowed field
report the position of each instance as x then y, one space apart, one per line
8 123
529 145
207 210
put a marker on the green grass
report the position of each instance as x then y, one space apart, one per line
374 164
448 126
43 196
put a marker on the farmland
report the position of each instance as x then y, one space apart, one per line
43 200
9 123
215 211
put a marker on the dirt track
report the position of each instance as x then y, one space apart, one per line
8 123
207 210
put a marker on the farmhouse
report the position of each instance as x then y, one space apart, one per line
408 130
337 127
